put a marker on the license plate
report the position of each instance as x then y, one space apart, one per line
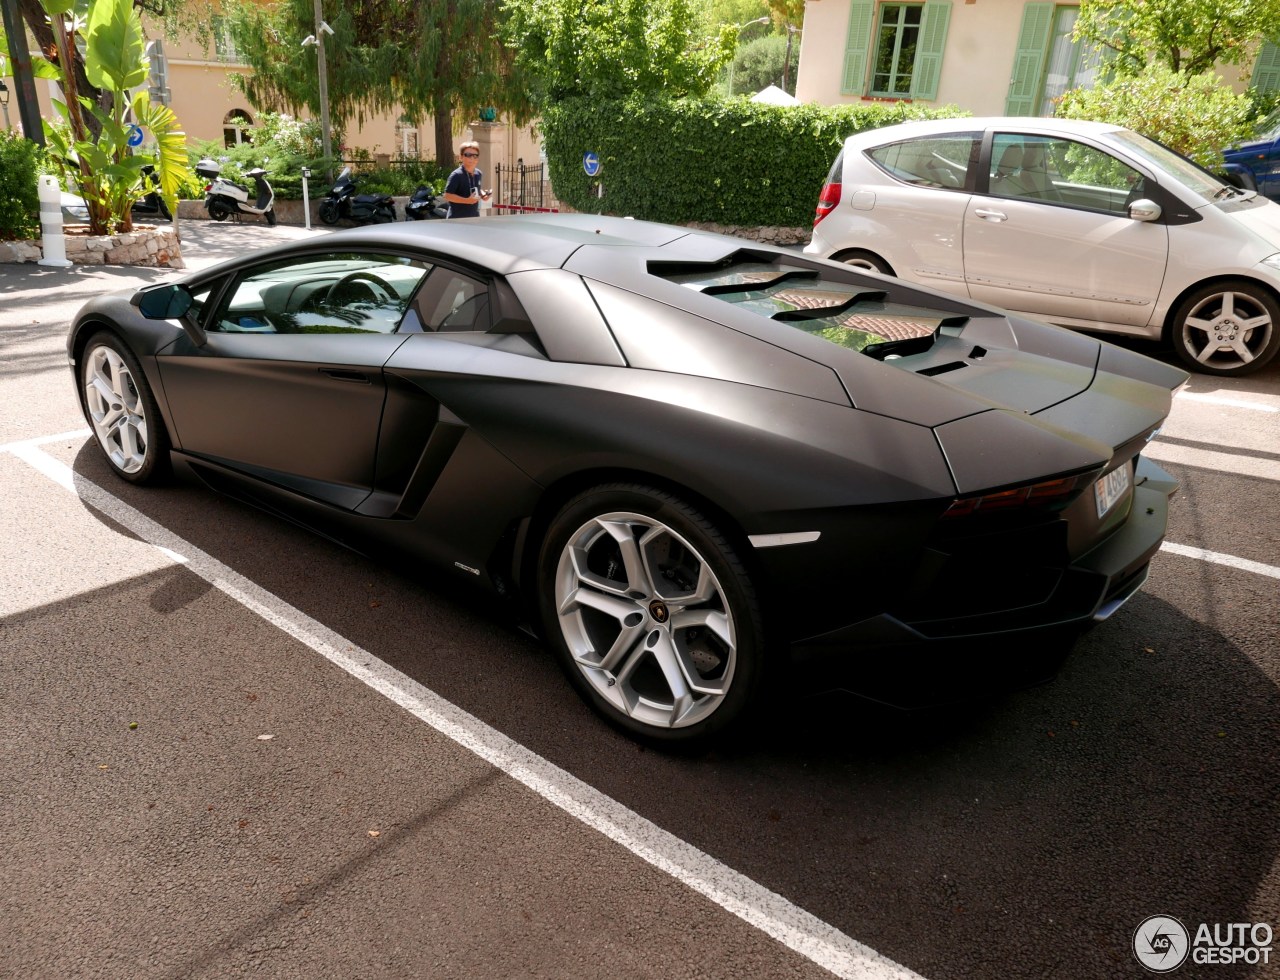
1111 488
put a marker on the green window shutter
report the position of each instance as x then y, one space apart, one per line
1266 70
857 44
1028 63
933 38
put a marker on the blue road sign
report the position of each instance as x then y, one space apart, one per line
591 163
135 135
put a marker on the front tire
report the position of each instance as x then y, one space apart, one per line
122 411
1227 328
271 218
329 212
652 614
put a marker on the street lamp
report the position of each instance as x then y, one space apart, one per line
316 40
4 102
786 61
741 27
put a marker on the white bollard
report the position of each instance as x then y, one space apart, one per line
306 198
54 242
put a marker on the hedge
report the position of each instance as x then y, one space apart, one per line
20 165
729 161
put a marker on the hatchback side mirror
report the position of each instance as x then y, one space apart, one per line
1145 210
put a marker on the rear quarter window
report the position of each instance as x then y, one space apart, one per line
929 161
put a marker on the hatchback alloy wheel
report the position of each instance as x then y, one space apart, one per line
1227 328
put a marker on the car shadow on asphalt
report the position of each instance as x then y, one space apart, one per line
964 841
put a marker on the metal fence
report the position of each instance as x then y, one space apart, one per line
523 187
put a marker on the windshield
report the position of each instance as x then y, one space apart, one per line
1161 158
1269 129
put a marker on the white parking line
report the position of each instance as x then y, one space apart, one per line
1218 558
753 903
1193 396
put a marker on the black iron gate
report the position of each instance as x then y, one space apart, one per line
522 187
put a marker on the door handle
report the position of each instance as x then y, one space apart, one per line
990 215
354 377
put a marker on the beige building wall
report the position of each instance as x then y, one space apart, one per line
977 64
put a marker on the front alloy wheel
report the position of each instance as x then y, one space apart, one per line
121 410
1227 328
652 613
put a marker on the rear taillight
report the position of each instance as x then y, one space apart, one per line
208 188
827 202
1046 495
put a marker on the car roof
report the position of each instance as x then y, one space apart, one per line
1030 124
515 243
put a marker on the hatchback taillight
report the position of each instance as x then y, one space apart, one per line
827 202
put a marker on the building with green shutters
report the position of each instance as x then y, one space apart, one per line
992 57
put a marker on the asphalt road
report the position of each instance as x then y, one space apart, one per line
231 748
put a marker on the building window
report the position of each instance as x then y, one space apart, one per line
407 138
235 128
1049 62
896 42
894 50
224 45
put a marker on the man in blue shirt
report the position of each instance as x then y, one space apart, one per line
462 191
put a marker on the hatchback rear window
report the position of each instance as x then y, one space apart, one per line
845 314
929 161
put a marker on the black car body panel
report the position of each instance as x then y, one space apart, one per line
601 355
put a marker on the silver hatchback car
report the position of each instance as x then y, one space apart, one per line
1086 225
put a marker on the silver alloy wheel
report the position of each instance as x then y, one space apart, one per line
116 409
1226 330
645 620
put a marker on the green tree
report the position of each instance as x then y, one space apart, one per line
1196 116
1187 36
102 164
758 64
437 57
613 48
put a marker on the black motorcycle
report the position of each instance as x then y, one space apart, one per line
362 209
425 204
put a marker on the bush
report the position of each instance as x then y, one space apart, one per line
21 162
1198 117
731 161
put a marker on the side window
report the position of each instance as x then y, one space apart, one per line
1058 171
337 292
453 301
894 50
931 161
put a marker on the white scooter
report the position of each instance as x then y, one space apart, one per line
225 198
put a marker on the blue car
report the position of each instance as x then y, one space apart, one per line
1256 165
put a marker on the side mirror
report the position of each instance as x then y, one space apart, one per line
1145 210
169 301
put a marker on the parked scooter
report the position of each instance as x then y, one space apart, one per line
152 206
363 209
425 204
224 198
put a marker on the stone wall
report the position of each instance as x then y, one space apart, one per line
145 245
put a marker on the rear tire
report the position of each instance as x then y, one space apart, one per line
652 614
218 212
862 259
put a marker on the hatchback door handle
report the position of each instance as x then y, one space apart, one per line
990 215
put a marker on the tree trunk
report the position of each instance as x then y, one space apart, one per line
445 155
38 23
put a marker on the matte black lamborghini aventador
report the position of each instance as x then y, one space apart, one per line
689 457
